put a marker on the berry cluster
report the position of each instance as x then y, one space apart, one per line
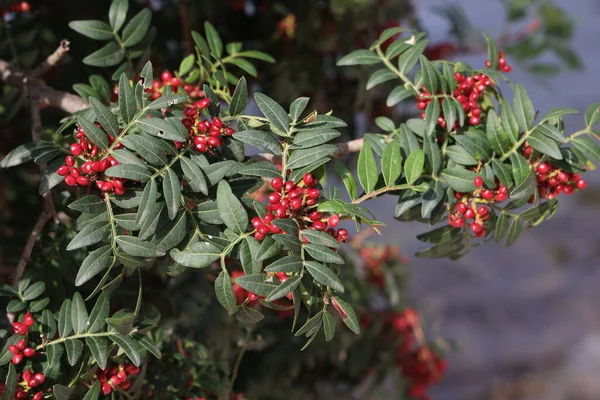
16 7
204 135
250 299
375 258
116 377
472 208
552 181
26 382
298 202
94 163
502 64
468 93
419 364
167 79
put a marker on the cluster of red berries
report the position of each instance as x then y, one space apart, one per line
95 162
116 378
419 364
468 93
167 79
29 381
552 181
374 258
204 135
472 209
15 7
297 201
502 64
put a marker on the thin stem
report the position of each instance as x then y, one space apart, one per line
395 70
122 46
78 336
381 191
238 361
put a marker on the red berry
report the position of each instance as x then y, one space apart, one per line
487 194
475 227
214 141
70 161
334 220
17 358
308 179
268 218
474 120
38 396
318 225
542 168
315 215
28 352
263 229
76 149
14 349
469 213
478 181
21 344
482 210
274 198
217 123
562 177
82 181
166 76
342 235
461 207
62 171
293 194
40 377
501 197
132 369
115 380
313 194
259 236
33 383
106 388
289 186
229 131
276 183
581 184
296 204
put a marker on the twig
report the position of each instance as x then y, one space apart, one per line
48 97
52 60
345 148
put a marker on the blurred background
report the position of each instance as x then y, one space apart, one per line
524 318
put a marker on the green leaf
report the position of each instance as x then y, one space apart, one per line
134 172
398 94
260 139
248 315
410 57
199 255
259 55
380 76
65 327
328 326
97 261
476 143
291 264
167 100
126 98
106 118
48 324
262 168
492 52
367 168
430 75
544 145
93 29
152 347
172 192
135 247
34 291
108 56
503 172
147 204
286 287
432 113
347 314
214 41
193 175
99 348
290 242
551 132
88 204
347 179
460 156
433 155
148 147
324 254
54 353
312 138
97 319
171 234
167 129
324 275
258 284
498 138
501 227
79 315
587 146
135 30
514 230
74 349
313 323
432 197
297 107
186 64
287 225
524 111
224 292
93 392
117 13
592 115
450 113
303 157
122 321
277 116
244 65
526 188
216 171
239 100
459 179
268 248
359 57
95 134
318 237
509 121
414 165
231 210
22 154
129 346
520 167
89 235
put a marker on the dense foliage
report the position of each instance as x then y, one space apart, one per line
172 262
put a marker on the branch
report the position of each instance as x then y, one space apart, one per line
52 60
48 97
343 149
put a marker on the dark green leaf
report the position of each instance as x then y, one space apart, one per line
231 210
514 230
324 254
187 64
259 139
97 320
172 192
135 247
297 107
99 349
324 275
74 349
303 157
239 100
460 156
249 315
430 76
291 264
129 346
126 98
290 242
95 134
23 153
93 392
89 235
587 146
134 172
413 167
88 204
286 287
148 147
328 326
520 167
79 314
286 225
544 145
214 41
524 111
263 169
398 94
167 100
216 171
65 327
509 121
106 118
116 16
367 168
592 115
312 138
503 172
459 179
54 353
347 179
224 292
193 175
97 261
258 284
359 57
432 113
136 28
108 56
347 314
498 138
171 234
433 155
318 237
147 204
380 76
277 116
200 255
432 197
93 29
268 248
152 347
410 57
